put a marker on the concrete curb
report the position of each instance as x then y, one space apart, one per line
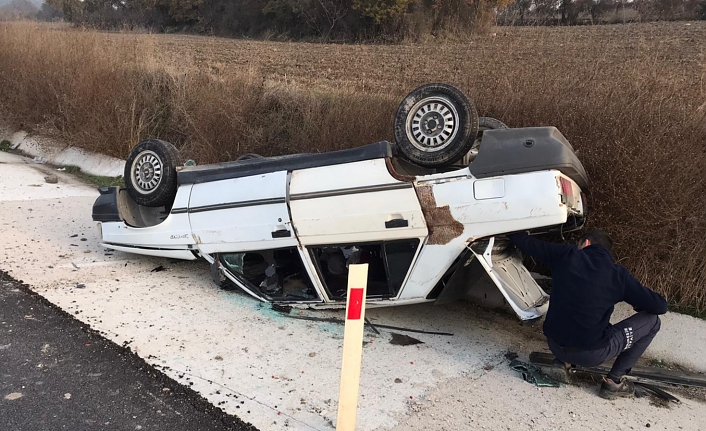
60 154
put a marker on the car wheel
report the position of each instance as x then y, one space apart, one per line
484 123
150 173
435 125
248 156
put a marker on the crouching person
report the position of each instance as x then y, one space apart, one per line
586 286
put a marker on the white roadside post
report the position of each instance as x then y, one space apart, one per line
352 347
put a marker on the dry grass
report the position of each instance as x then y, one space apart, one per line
631 98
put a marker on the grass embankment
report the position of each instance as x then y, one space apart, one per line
632 100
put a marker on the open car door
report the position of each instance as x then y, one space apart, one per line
505 268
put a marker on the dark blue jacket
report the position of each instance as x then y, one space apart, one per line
586 284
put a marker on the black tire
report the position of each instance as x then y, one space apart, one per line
489 123
150 173
249 156
435 125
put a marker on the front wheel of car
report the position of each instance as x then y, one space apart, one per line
150 173
435 125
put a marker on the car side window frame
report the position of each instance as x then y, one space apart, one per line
326 290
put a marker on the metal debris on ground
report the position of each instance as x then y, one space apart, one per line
533 374
642 389
403 340
510 355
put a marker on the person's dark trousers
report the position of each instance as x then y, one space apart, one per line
628 342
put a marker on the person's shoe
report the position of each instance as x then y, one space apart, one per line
611 390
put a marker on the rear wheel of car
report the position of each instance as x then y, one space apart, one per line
150 173
484 123
435 125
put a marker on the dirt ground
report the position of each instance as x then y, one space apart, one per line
376 68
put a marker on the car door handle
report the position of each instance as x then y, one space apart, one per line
395 223
282 233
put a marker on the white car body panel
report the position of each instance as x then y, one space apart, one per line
351 203
173 233
241 214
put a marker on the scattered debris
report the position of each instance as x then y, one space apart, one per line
84 239
286 309
403 340
80 286
75 266
218 358
659 375
51 179
533 374
158 269
40 160
312 354
510 355
67 396
5 346
654 390
370 324
398 380
13 396
61 169
73 236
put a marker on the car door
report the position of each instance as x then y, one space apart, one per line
243 225
353 202
240 214
357 212
515 282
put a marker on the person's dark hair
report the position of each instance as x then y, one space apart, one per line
598 237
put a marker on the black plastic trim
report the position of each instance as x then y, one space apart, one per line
505 152
105 208
232 205
245 168
284 233
351 191
146 248
395 223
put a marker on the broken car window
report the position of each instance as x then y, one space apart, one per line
388 265
276 274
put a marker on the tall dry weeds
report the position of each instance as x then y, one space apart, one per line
636 113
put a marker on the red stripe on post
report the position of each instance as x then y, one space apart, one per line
355 304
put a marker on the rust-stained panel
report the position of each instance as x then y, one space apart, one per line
443 227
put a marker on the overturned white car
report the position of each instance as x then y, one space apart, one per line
284 229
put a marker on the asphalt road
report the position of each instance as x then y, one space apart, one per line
58 374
